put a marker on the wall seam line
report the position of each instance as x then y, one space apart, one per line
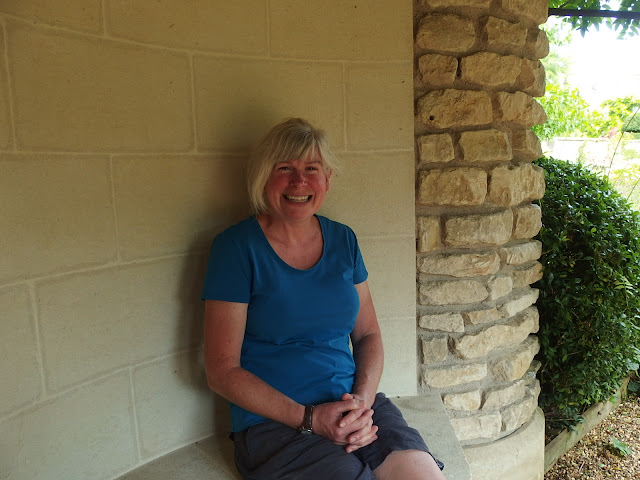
194 117
114 209
38 337
105 23
5 58
344 106
134 411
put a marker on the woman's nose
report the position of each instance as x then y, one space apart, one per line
298 177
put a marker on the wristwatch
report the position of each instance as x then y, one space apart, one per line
307 428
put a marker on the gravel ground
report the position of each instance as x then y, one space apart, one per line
593 457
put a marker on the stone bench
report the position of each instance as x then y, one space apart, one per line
212 458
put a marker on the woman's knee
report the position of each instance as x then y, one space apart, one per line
409 465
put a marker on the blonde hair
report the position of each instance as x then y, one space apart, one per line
290 139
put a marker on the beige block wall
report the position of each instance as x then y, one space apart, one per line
124 128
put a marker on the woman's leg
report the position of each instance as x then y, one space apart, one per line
409 465
272 451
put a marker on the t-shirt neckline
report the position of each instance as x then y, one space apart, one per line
275 254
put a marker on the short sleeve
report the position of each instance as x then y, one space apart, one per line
228 275
360 273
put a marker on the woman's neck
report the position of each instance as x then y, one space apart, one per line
290 233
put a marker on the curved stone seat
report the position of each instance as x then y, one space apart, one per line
212 458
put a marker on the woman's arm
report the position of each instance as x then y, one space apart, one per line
367 348
224 327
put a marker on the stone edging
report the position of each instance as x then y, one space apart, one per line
593 417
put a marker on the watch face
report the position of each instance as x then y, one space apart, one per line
306 431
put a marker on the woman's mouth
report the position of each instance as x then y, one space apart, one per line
298 198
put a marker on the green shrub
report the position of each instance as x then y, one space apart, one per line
589 296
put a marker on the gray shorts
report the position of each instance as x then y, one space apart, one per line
272 451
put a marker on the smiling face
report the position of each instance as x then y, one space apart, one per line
296 188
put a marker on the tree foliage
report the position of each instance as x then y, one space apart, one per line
624 26
590 294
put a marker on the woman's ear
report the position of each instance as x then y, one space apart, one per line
329 175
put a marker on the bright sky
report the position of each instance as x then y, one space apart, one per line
603 67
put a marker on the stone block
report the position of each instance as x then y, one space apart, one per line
538 44
453 375
453 186
520 253
162 385
504 35
400 368
175 204
532 78
473 230
72 435
497 336
452 292
105 93
455 108
446 33
526 275
536 11
519 413
82 15
527 221
497 398
388 259
443 322
526 145
511 185
428 234
19 372
512 366
216 25
460 264
378 97
490 70
434 350
466 401
519 108
523 301
380 203
232 113
338 30
438 70
56 214
435 148
485 146
208 459
478 317
519 456
482 426
95 322
499 286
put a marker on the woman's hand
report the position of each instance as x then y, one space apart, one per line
346 422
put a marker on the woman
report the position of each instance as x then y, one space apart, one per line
284 293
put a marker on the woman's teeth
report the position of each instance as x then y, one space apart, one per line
298 198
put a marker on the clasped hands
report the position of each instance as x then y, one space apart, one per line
346 422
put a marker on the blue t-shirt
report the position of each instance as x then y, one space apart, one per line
298 321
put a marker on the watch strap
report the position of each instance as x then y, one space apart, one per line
307 420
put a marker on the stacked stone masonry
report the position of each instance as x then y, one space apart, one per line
477 73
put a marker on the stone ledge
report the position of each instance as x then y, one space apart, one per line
212 458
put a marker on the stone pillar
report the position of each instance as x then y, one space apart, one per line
477 71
